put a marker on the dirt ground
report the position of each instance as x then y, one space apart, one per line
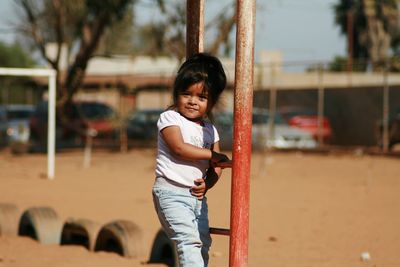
306 210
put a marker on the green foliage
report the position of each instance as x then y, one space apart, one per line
338 64
14 56
341 64
15 89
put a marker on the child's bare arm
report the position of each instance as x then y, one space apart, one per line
203 185
173 137
218 160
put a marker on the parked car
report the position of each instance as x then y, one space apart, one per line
142 124
223 121
394 130
307 119
14 126
283 136
75 122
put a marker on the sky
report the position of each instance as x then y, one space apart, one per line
303 31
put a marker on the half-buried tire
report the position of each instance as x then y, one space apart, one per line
121 237
41 224
9 215
80 232
163 250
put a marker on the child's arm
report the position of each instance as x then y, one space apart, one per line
213 173
173 137
203 185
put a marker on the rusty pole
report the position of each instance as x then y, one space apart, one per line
243 103
194 27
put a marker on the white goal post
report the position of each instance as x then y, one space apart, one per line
51 74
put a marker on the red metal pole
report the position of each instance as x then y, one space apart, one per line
243 103
194 27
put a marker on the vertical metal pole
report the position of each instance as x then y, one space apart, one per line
243 103
51 127
350 40
194 27
350 33
321 93
123 138
87 152
51 107
272 105
385 125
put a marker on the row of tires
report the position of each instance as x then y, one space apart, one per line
120 236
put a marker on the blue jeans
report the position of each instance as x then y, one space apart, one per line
185 220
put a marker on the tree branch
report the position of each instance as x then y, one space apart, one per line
225 27
35 31
92 32
58 27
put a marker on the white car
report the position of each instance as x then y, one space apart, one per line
14 125
283 136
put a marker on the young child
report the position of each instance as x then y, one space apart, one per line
188 159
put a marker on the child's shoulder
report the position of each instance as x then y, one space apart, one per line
169 113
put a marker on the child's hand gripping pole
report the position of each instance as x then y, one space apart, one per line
220 160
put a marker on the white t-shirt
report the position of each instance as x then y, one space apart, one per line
178 170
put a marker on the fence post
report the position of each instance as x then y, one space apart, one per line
385 125
272 104
321 96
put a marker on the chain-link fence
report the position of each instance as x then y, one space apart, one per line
361 108
347 108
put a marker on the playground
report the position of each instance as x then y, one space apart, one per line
306 209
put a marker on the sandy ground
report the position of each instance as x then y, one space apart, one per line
307 210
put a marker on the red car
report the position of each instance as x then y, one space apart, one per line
81 116
307 120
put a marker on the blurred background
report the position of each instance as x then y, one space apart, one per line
326 71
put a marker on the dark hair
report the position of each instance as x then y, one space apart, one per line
204 68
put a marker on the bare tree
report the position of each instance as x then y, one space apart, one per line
78 25
167 35
225 21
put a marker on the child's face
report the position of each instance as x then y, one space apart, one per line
193 103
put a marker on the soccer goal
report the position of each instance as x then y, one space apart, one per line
51 74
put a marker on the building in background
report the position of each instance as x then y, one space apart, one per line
352 101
